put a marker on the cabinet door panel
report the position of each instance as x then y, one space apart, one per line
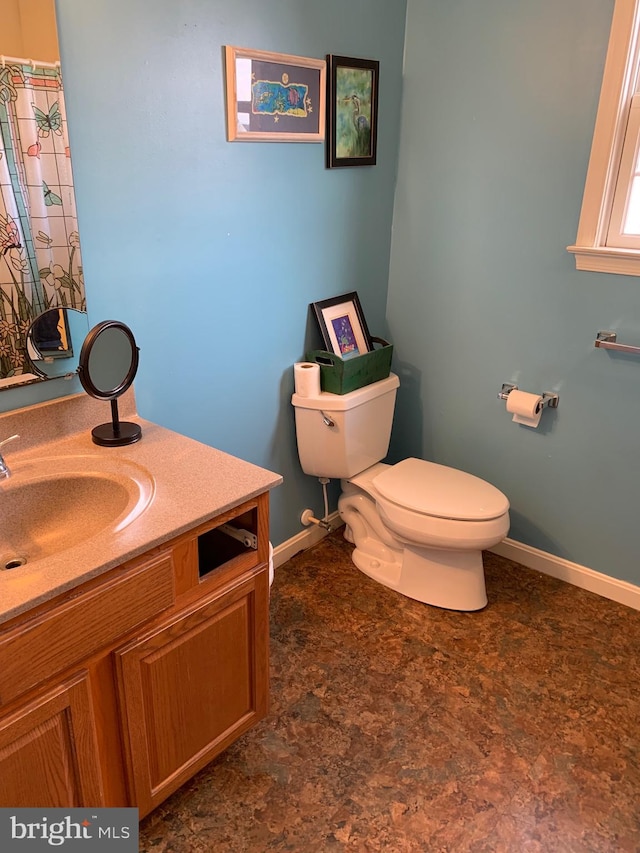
48 751
192 687
198 685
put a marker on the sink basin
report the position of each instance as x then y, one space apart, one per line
49 505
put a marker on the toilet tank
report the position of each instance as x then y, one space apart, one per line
359 436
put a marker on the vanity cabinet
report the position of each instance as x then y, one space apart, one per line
49 751
117 692
191 687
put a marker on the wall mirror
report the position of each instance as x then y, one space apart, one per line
40 261
108 365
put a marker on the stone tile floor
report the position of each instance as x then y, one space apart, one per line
397 727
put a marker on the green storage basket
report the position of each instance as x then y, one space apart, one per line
340 377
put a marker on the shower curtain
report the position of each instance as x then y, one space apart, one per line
40 264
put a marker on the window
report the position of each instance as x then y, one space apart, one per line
609 231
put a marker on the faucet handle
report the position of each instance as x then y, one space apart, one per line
4 468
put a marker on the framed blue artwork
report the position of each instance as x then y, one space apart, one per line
343 326
274 97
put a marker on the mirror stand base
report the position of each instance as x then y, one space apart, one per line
116 435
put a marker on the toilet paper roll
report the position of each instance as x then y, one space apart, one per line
306 377
525 408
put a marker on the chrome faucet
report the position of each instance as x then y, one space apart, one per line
4 468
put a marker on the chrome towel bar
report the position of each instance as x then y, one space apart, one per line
608 340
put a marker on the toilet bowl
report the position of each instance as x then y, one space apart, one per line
418 527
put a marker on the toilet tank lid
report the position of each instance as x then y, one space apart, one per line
440 491
327 402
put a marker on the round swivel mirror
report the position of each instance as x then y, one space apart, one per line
108 365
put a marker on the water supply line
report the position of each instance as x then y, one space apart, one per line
307 517
324 481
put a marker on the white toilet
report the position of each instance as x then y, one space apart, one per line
418 527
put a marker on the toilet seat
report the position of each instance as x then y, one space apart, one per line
439 491
423 484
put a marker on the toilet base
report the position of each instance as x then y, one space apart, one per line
453 580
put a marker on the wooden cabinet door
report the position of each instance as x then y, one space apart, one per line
191 687
48 750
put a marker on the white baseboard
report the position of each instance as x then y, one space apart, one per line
302 541
580 576
532 558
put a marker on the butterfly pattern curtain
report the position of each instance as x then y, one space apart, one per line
40 264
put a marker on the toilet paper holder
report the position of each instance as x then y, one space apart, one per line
549 399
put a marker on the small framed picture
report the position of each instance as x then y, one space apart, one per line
343 326
352 111
274 97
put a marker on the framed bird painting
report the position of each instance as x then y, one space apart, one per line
352 111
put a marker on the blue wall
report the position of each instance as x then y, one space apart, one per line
188 239
499 106
212 251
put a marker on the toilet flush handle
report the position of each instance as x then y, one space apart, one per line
328 421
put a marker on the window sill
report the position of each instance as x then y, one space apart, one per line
605 259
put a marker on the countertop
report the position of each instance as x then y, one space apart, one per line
193 483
